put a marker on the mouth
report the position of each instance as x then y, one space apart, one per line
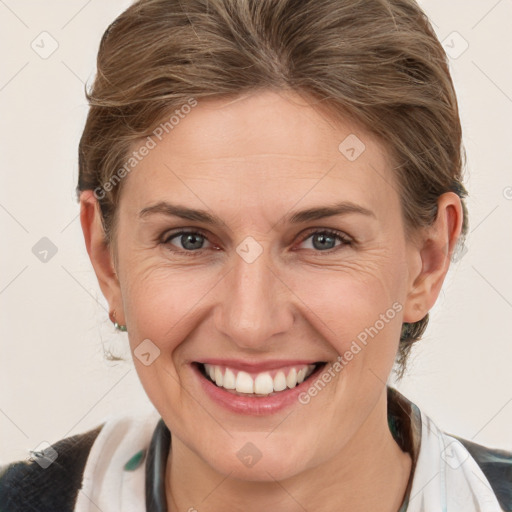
259 384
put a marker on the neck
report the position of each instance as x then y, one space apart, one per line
370 473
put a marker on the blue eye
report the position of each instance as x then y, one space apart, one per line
323 240
191 242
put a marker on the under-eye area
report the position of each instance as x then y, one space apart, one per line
265 383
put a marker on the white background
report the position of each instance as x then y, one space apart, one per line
54 380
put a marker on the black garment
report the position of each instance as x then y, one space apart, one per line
26 487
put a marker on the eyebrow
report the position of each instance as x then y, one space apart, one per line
173 210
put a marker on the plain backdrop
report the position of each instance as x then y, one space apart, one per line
54 326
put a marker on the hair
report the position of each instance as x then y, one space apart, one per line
375 62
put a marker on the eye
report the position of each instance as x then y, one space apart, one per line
189 241
324 240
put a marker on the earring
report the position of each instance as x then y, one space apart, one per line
112 316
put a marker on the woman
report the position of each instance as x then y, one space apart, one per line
271 195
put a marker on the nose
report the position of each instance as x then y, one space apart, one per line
255 304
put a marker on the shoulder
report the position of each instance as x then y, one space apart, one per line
50 480
496 464
24 484
121 446
432 448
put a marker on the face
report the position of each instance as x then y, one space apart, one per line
255 291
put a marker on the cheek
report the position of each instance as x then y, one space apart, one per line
159 307
164 302
357 310
160 302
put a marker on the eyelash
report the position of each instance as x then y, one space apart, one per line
345 240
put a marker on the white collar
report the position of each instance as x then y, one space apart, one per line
447 478
106 485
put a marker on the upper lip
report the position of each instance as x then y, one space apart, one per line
259 366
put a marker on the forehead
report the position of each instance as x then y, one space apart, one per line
261 149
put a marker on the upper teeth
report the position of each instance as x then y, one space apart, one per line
261 383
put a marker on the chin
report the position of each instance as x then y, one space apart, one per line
269 471
257 461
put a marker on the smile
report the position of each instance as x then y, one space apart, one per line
263 383
251 388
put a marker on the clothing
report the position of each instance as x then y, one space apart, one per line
120 466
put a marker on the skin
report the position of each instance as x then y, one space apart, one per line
252 162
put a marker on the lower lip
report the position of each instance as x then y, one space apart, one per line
251 405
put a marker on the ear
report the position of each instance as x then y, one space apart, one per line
100 253
432 254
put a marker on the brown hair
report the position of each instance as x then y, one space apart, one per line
378 62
